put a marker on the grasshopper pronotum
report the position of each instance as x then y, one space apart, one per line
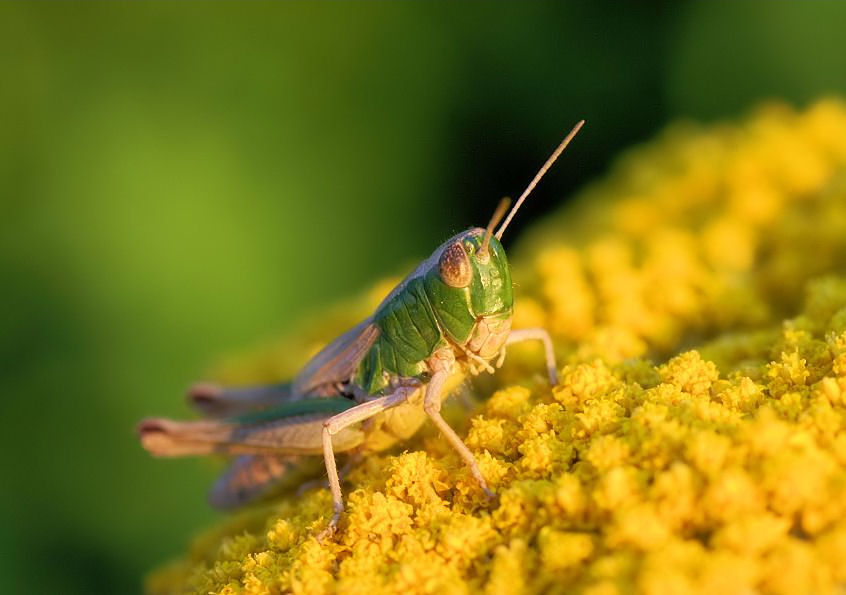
454 309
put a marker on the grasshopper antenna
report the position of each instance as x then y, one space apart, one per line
496 218
539 175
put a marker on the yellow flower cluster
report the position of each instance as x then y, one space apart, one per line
713 250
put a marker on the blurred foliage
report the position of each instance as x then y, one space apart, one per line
183 180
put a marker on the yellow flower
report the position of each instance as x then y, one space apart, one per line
717 252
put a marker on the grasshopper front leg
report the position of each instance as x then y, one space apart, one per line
538 334
441 362
335 424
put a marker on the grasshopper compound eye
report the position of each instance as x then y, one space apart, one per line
454 266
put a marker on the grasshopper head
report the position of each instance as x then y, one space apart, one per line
477 261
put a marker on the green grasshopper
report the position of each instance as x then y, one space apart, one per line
375 384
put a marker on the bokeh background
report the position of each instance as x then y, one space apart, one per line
182 181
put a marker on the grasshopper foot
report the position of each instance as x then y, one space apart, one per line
331 529
477 473
326 534
489 493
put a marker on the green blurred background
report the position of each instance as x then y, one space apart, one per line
180 181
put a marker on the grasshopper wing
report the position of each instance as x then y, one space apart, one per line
247 479
289 429
336 363
333 365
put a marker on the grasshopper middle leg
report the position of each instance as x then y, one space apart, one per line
432 407
353 459
441 362
335 424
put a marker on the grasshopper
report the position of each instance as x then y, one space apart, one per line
374 385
